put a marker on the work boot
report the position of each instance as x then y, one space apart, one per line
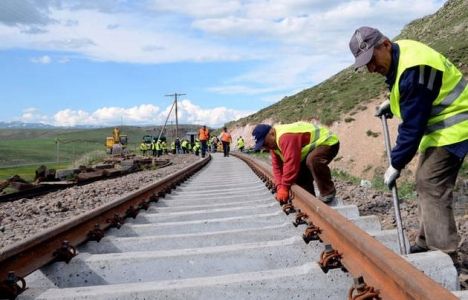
328 198
417 249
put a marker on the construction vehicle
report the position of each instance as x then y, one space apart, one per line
117 143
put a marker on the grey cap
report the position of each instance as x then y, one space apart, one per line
362 44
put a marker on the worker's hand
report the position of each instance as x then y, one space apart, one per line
282 194
384 110
390 176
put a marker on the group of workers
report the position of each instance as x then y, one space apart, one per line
205 139
430 96
156 148
202 144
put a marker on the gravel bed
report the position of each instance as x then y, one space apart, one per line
26 217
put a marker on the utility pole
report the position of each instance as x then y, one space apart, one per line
176 115
57 148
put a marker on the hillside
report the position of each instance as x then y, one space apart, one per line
347 91
346 101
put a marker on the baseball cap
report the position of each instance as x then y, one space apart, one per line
259 133
362 44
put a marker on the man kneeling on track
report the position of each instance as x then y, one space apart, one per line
300 152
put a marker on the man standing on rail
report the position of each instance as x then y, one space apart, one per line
203 136
300 152
226 139
430 96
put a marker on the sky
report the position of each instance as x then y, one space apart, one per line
112 62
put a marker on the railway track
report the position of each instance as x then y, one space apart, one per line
221 235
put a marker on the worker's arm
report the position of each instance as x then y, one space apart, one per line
277 166
417 93
291 145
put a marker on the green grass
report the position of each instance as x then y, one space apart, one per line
406 189
43 150
31 146
27 172
345 176
23 150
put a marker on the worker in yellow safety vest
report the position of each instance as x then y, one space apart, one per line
300 153
240 144
430 96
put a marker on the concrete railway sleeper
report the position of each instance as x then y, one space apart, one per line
221 235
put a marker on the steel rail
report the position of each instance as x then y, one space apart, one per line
360 254
58 242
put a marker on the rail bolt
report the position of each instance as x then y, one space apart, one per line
154 198
65 253
300 218
96 234
143 205
330 259
116 221
131 212
9 288
288 208
361 291
311 233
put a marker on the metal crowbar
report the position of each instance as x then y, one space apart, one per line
396 201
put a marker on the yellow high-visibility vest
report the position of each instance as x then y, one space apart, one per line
318 136
448 123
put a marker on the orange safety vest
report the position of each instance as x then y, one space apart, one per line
226 137
203 134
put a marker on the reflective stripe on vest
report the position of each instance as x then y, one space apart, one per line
448 122
318 136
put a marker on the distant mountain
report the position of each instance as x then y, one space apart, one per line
25 125
19 124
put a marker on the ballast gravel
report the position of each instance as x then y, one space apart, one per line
26 217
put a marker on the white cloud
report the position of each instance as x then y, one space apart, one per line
294 43
200 9
33 115
42 60
145 114
194 114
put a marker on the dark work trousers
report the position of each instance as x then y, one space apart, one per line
315 168
435 180
204 147
226 148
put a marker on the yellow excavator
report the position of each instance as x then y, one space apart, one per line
117 143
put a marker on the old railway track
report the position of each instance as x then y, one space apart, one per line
221 235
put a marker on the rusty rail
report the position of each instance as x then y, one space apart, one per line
381 269
59 242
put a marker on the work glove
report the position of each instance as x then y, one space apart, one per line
390 176
384 110
282 194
